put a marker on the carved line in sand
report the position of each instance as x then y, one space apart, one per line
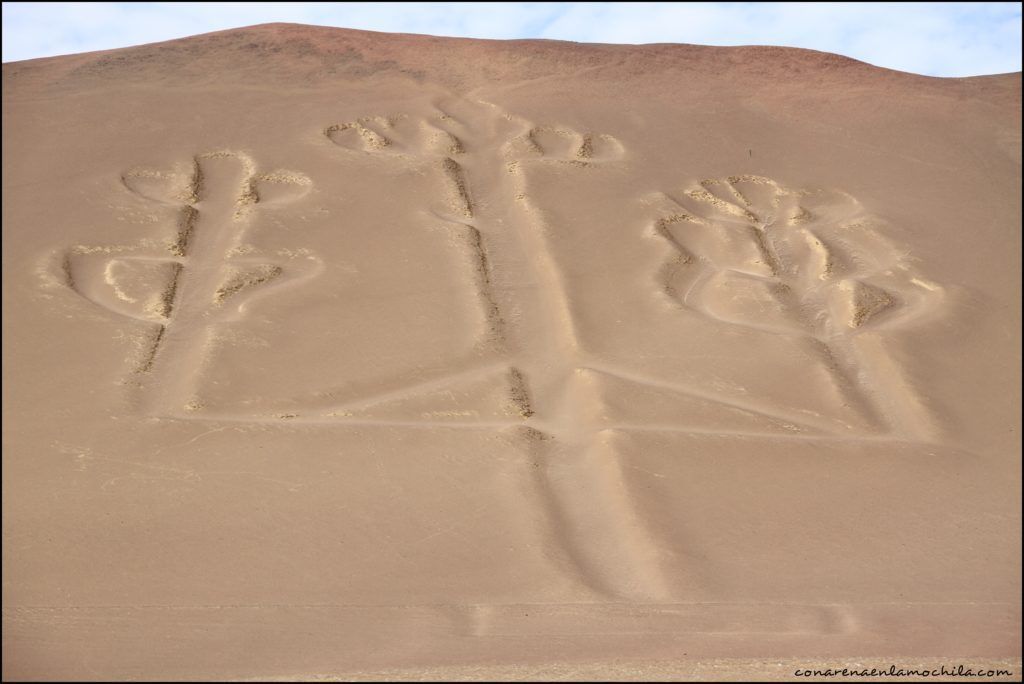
747 251
570 468
196 278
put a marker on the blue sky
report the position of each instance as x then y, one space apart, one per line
937 39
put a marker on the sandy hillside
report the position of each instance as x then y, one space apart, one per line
332 353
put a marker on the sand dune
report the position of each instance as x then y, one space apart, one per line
332 353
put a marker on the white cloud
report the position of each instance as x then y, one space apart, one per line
942 39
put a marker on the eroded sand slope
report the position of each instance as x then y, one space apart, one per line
329 352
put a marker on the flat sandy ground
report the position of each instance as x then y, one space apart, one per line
338 354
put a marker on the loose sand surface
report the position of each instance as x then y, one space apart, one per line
330 353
